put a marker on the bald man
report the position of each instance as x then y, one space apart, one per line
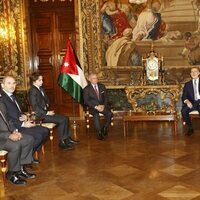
19 120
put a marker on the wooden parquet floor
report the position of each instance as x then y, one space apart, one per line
149 164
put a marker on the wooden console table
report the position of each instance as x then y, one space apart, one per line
152 103
136 117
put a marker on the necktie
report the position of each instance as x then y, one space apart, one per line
41 92
15 101
195 90
4 119
96 91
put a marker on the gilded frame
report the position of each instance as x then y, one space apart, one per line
16 48
90 37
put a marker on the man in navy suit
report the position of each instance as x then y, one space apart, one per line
96 99
19 120
191 98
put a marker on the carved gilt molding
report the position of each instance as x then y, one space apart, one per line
13 48
166 97
91 38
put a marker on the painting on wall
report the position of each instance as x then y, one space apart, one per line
127 27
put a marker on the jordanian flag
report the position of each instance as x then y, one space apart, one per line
71 76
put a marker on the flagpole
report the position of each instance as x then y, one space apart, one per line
72 79
73 104
74 121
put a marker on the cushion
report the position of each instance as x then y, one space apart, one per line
3 152
194 112
48 125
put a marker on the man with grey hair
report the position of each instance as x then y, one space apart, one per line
95 98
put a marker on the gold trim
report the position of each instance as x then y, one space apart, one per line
15 44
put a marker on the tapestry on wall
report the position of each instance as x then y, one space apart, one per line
117 33
128 26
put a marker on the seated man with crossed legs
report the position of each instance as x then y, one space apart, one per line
19 120
19 147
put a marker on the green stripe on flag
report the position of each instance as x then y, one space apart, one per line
71 86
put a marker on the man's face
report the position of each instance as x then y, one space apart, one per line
93 79
9 84
194 73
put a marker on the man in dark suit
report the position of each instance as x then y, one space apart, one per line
191 98
19 147
96 99
40 103
19 120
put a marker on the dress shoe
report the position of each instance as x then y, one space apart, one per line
190 131
35 161
70 140
64 145
24 174
104 131
100 136
15 179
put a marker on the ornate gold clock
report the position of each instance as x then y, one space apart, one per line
153 72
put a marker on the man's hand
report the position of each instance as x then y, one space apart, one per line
188 103
51 113
23 118
28 124
15 136
100 108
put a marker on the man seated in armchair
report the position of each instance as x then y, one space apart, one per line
191 98
95 98
20 120
19 147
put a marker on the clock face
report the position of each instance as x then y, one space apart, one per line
152 64
152 69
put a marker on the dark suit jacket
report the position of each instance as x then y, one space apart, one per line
12 110
90 98
39 103
5 131
188 92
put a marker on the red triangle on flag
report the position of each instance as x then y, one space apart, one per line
69 62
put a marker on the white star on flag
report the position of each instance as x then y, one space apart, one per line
66 64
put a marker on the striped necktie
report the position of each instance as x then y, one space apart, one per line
96 91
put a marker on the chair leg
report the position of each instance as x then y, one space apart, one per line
51 139
87 121
36 154
124 128
43 150
3 168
